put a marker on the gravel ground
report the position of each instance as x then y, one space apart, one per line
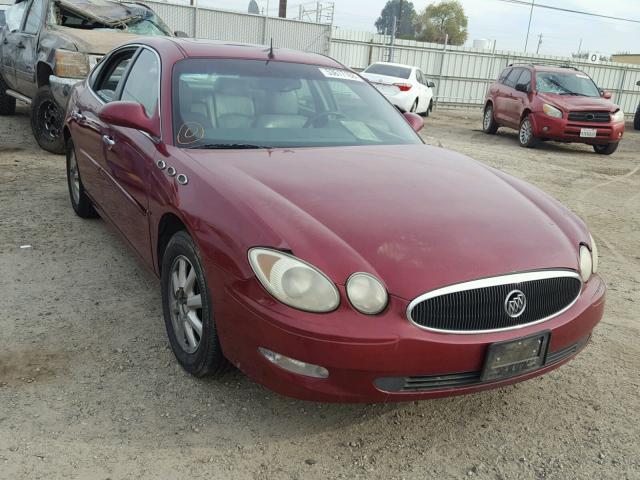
90 389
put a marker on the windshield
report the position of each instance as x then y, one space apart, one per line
569 83
388 70
256 104
147 22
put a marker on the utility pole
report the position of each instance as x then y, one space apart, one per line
539 43
526 42
399 27
579 48
282 9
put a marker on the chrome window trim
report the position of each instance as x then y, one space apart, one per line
492 282
137 46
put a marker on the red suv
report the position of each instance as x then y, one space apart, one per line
553 103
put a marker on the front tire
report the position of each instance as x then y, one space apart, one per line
188 309
489 124
47 121
7 103
526 136
606 149
79 200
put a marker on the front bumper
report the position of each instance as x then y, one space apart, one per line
61 88
360 351
564 130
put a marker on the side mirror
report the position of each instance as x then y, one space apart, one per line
606 94
129 115
431 85
181 34
638 83
522 87
415 120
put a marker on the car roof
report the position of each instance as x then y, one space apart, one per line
545 68
393 64
202 48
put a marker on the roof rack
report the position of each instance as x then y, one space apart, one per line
542 65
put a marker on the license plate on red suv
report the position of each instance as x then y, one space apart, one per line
515 357
588 132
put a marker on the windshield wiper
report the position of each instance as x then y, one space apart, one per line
566 90
230 146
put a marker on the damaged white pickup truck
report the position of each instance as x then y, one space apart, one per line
46 46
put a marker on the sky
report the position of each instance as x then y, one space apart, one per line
503 22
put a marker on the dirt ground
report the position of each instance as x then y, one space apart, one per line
89 388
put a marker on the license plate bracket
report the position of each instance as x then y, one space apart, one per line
515 357
588 132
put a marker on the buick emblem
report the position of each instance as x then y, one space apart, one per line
515 303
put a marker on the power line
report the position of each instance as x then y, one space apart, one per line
569 10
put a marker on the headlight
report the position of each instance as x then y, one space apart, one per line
71 64
595 261
618 116
366 293
586 263
293 281
552 111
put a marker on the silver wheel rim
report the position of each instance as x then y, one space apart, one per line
525 132
74 178
488 113
185 304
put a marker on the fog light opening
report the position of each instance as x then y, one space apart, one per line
294 366
545 129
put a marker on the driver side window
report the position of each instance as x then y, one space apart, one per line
111 76
14 16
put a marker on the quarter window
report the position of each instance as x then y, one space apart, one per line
525 78
142 82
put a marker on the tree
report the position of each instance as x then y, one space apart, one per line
406 18
438 20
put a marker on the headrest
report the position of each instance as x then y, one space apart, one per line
232 86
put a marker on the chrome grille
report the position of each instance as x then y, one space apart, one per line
596 117
482 305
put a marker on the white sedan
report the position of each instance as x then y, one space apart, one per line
403 85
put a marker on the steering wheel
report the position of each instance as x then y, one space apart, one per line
320 115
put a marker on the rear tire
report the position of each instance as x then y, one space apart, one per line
607 149
7 103
636 120
79 200
526 136
188 309
414 107
489 124
47 121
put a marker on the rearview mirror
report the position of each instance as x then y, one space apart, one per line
606 94
522 87
416 121
129 115
638 83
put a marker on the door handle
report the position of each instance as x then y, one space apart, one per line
77 116
20 45
5 41
108 141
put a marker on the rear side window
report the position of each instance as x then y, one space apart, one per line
525 79
389 70
512 78
504 74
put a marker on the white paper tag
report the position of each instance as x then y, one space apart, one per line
339 73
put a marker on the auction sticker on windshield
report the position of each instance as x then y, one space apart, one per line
341 74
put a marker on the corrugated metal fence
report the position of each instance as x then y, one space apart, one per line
462 75
215 24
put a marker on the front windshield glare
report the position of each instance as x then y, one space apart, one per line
260 104
566 84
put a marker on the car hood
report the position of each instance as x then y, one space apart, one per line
577 103
417 217
93 41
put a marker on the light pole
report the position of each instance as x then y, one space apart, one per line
526 42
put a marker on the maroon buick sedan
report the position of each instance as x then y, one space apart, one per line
303 232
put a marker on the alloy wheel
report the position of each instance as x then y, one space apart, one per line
488 115
185 304
525 132
50 118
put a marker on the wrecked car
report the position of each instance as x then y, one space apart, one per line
47 46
